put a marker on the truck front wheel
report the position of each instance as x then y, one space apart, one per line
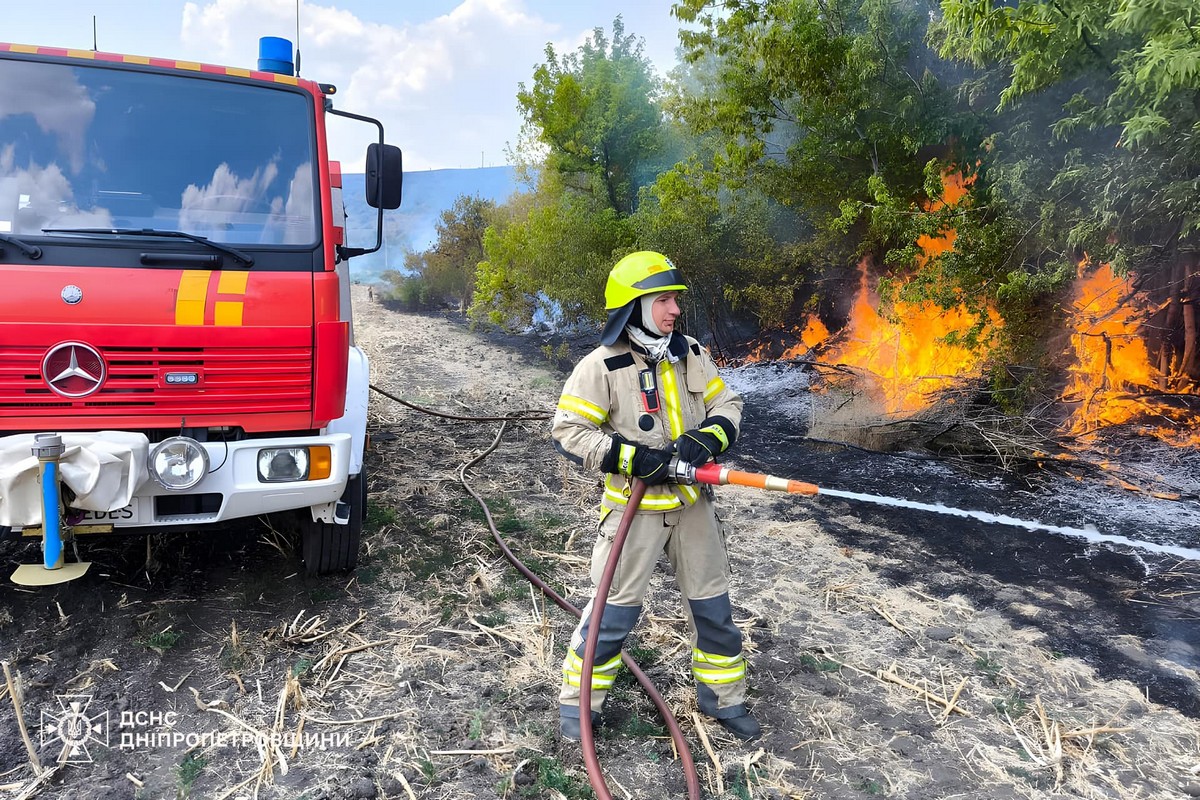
328 547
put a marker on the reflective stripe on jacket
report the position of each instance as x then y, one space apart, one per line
603 397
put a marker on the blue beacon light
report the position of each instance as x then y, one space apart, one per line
275 55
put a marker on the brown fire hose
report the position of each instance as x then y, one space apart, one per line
599 600
587 742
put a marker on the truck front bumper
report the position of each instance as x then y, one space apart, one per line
230 490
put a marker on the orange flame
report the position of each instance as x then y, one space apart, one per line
912 352
1113 379
814 333
914 356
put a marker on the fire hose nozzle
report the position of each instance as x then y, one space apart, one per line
714 474
681 472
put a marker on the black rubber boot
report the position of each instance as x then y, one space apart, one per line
568 727
744 727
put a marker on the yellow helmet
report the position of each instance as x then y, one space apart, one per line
636 275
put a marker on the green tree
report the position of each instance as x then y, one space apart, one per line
445 273
723 241
594 110
1097 147
593 114
831 107
451 264
549 252
840 114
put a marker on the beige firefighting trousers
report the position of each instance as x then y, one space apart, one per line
693 540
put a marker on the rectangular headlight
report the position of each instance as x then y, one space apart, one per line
286 464
281 464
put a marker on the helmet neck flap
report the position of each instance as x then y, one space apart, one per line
635 276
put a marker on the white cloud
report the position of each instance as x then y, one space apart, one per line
225 27
35 196
444 88
55 99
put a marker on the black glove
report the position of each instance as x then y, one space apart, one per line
697 447
651 465
637 461
713 437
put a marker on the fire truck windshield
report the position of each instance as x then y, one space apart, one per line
95 147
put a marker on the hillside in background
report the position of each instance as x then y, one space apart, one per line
412 227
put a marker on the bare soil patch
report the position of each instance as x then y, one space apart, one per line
881 665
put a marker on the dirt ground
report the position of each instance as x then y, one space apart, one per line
209 666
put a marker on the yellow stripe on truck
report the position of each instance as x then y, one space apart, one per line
190 300
229 312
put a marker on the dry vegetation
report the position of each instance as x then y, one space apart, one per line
437 666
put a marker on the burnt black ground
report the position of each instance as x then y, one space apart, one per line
994 564
1128 593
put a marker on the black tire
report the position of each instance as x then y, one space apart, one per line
327 547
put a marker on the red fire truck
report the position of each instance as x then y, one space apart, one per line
174 298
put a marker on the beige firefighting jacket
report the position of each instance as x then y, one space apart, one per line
603 396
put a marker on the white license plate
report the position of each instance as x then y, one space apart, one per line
121 516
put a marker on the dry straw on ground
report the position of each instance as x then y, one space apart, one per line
439 667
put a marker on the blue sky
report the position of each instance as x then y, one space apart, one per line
441 75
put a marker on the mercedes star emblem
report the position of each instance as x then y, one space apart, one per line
73 369
71 294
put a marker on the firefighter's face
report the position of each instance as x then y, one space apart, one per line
665 310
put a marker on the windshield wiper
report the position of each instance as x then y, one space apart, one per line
31 250
221 248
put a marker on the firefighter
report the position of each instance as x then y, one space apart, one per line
646 395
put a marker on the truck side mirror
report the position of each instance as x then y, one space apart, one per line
385 175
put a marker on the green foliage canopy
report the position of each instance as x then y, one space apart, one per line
1103 153
831 108
595 112
550 252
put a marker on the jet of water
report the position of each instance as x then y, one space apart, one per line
1088 532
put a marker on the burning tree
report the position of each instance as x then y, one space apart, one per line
841 113
1076 125
1096 154
1126 367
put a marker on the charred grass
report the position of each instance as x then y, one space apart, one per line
432 670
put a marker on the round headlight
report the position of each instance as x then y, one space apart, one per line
178 463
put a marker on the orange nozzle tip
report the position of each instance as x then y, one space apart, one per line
800 487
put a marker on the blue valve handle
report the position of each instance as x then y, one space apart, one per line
52 544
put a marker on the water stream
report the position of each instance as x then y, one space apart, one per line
1089 533
1111 580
